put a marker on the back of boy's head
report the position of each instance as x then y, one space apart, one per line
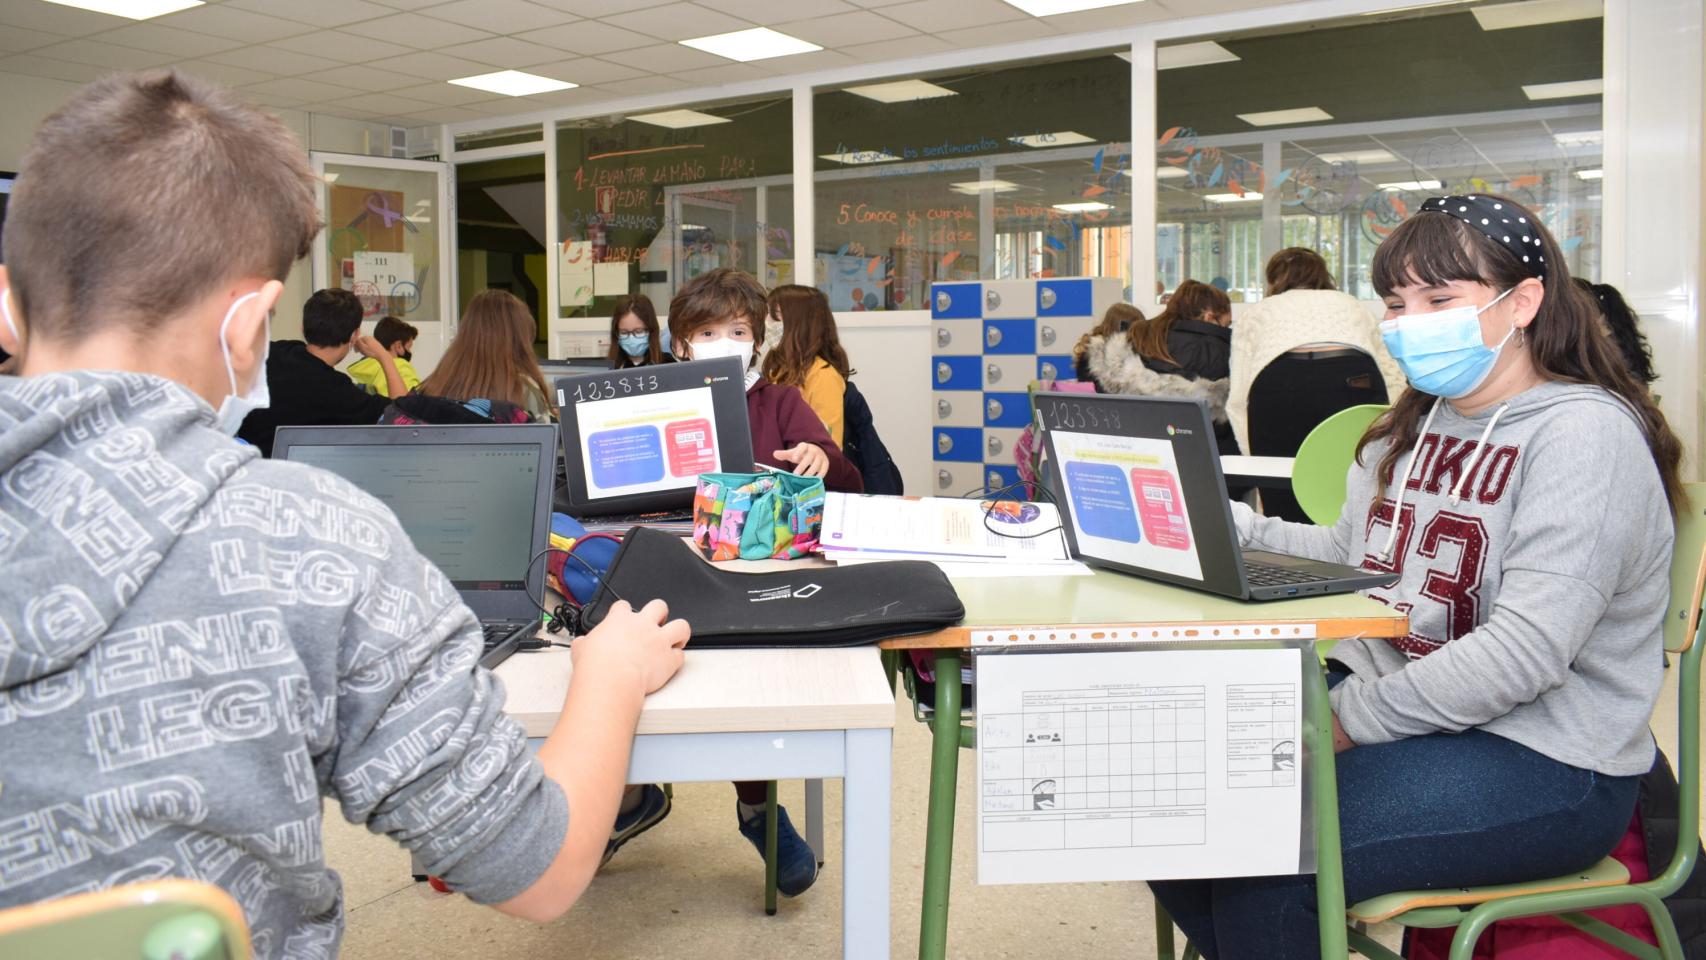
392 330
145 193
331 317
722 294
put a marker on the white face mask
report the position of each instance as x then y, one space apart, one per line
234 408
12 325
723 347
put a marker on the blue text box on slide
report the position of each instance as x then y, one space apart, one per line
1101 501
622 458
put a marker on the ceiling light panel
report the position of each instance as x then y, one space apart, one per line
1411 185
901 91
759 43
679 119
1505 16
1197 54
975 187
514 83
131 9
1063 138
1231 197
1280 118
1088 206
1569 88
1598 174
1050 8
1358 157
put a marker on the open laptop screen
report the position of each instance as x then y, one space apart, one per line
469 507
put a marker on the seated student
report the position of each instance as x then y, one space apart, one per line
809 354
488 375
1182 352
304 384
1300 331
398 339
1620 324
634 337
1514 717
219 643
1117 319
721 314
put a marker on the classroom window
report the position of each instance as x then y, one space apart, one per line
652 199
1395 108
1000 172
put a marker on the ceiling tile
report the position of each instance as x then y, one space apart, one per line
875 3
765 12
386 104
221 73
233 24
511 16
363 77
105 55
31 65
409 4
432 66
285 63
588 37
445 115
340 46
641 86
444 94
561 98
501 107
994 33
415 30
679 21
1111 18
587 71
598 8
847 28
672 58
727 73
53 18
914 46
933 15
805 62
503 52
270 100
18 39
179 43
318 13
303 89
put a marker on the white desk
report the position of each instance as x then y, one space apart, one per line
762 715
1271 472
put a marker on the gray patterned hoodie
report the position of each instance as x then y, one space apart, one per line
197 645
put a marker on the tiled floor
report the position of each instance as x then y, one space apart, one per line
693 889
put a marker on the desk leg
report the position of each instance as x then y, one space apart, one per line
865 897
1329 875
939 832
814 818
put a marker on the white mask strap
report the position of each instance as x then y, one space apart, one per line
225 347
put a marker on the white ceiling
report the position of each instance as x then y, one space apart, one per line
388 60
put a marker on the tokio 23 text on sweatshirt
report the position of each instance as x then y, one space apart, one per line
198 645
1532 543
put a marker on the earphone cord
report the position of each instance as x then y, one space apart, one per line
567 615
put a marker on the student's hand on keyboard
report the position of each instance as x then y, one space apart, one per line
808 459
647 644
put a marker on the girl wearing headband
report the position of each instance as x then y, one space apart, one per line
1522 492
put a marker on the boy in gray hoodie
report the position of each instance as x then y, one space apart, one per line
198 645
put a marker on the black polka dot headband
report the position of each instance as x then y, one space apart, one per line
1505 225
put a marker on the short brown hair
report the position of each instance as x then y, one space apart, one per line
390 330
1298 268
143 194
724 293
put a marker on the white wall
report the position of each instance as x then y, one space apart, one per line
890 353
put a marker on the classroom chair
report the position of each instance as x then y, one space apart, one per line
159 920
1323 459
1291 397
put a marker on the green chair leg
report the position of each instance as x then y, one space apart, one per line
939 832
891 665
770 849
1163 932
1191 951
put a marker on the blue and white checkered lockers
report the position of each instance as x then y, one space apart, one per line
989 340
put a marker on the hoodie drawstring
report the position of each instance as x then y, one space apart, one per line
1480 451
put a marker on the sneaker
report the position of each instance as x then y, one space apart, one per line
796 864
649 812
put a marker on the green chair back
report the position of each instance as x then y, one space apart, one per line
160 920
1682 632
1318 475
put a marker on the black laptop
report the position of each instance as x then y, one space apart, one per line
1140 490
474 498
636 440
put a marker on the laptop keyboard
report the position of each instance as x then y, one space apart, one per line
1268 575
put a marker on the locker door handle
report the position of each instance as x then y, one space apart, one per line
1048 335
944 443
944 479
943 301
992 336
994 373
994 445
943 337
991 299
943 373
1049 372
1046 297
993 409
944 409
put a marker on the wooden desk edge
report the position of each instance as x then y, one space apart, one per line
834 719
1333 628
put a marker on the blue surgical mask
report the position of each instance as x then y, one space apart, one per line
634 344
235 407
1443 353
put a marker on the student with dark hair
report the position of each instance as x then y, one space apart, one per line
398 339
303 380
1623 327
243 639
635 340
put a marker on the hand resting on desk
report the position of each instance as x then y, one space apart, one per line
628 656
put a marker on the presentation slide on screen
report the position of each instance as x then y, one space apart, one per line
647 443
1126 502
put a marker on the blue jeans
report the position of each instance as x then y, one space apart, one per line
1445 810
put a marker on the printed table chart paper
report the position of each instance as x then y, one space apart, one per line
1138 765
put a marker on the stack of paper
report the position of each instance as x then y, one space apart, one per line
966 538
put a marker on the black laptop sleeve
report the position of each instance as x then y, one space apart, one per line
811 606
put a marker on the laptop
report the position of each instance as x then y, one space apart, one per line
636 440
1139 487
474 498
